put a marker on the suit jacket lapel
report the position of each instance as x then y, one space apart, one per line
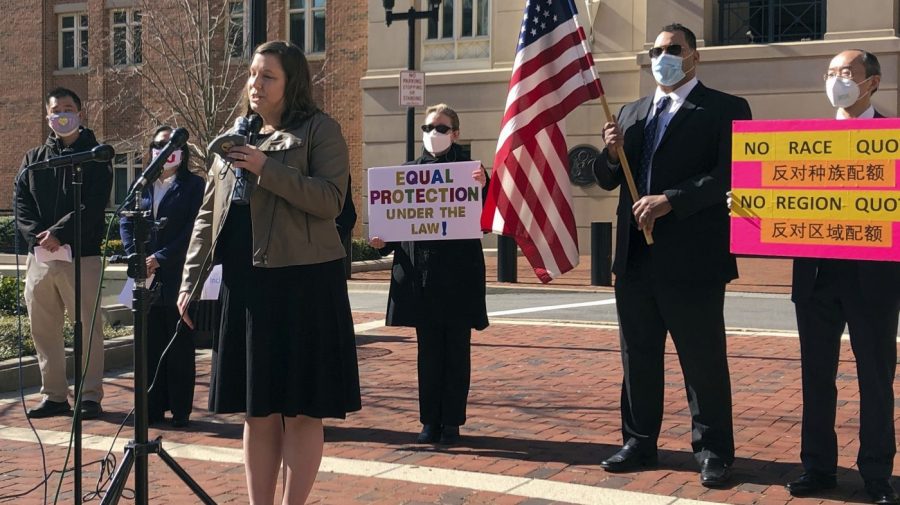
694 98
642 110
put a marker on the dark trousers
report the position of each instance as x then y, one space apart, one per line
648 308
445 366
174 388
836 300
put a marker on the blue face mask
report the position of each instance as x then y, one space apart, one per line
667 69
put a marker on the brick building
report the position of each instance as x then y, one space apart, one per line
117 55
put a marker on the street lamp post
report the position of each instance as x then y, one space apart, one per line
411 16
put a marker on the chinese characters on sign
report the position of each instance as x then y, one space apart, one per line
816 188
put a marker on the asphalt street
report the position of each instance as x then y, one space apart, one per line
743 311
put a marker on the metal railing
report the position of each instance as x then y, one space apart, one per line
767 21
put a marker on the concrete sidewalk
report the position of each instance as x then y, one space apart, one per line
543 411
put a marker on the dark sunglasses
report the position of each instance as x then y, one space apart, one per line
441 128
673 49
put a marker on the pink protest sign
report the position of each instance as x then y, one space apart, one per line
816 188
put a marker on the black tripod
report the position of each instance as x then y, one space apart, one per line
136 450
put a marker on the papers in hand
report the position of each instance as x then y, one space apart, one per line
63 253
125 295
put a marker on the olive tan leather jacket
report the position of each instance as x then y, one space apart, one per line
292 209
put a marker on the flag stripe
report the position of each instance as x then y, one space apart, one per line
530 195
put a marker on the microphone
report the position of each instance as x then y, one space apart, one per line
247 127
154 169
103 152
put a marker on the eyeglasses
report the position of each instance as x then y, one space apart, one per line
441 128
673 49
845 73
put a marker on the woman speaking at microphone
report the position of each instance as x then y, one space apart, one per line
286 354
175 196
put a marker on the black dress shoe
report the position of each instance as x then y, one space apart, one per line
449 435
48 408
811 483
882 492
180 422
714 472
90 409
629 459
431 433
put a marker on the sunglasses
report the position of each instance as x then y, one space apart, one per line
673 49
441 128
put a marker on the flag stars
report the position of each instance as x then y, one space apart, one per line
533 32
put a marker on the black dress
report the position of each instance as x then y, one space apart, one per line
286 343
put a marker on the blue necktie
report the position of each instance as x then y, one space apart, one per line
649 145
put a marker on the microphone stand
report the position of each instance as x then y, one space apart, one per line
77 180
77 348
136 450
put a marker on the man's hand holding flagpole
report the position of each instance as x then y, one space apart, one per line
629 179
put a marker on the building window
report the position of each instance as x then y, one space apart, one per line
461 31
126 37
306 24
73 41
236 30
126 168
767 21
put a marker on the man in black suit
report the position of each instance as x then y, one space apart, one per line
864 295
678 145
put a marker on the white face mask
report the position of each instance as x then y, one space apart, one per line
435 142
173 161
842 92
667 69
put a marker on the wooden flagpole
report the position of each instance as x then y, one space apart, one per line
625 167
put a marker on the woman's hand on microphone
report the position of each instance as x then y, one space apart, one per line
184 299
248 158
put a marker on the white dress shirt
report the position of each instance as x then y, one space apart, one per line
867 114
160 188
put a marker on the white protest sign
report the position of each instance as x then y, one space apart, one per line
437 201
412 88
213 284
125 296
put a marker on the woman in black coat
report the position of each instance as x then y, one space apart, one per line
175 197
438 287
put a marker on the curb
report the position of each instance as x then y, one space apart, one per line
118 353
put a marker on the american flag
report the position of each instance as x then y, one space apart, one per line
530 196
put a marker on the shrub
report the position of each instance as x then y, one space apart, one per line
113 232
9 335
9 302
8 233
361 251
114 246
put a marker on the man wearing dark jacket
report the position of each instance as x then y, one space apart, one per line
830 294
678 142
46 219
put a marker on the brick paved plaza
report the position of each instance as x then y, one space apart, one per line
543 411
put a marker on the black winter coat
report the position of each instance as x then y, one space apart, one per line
45 198
438 282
